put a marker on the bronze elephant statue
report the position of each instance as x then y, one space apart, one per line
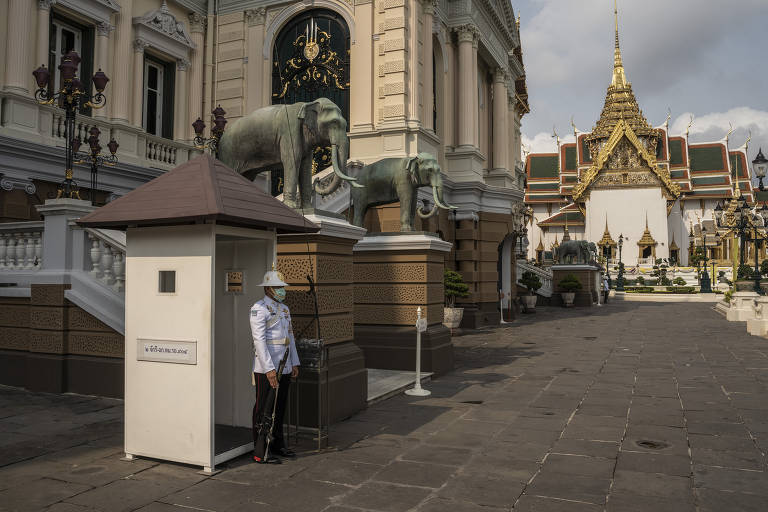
579 251
285 136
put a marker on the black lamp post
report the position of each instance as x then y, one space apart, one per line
704 281
746 223
70 97
219 123
620 277
94 156
760 167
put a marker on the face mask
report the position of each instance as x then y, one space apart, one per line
279 294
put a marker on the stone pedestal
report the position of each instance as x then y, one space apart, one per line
742 306
327 257
758 326
591 286
394 275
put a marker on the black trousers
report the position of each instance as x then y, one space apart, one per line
263 405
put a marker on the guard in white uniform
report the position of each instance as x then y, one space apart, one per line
272 336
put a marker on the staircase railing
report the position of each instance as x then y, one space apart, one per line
545 275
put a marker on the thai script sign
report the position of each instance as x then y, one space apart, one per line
166 351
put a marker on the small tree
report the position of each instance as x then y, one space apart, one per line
745 272
640 280
570 283
531 281
764 268
679 281
454 287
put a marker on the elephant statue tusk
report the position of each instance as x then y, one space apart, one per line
427 215
439 203
337 168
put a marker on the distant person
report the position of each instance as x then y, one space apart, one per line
272 335
606 290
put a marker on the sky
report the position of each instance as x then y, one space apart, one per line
700 58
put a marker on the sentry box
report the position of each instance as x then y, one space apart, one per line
198 240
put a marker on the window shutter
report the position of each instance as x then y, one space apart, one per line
169 83
86 65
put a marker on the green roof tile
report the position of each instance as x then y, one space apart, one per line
544 166
706 158
570 158
675 152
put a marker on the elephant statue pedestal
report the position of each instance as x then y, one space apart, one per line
395 273
326 256
589 277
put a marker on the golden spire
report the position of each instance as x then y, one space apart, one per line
619 78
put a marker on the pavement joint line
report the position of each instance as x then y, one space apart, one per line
564 499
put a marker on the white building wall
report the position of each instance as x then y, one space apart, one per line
626 211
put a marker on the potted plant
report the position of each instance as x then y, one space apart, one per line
764 275
532 282
454 287
568 286
745 278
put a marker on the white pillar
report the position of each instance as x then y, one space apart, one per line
180 129
500 123
197 31
209 52
467 96
102 59
429 13
121 79
138 81
18 72
43 32
475 95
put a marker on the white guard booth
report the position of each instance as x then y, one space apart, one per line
199 240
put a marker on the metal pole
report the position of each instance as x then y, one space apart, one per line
417 389
757 267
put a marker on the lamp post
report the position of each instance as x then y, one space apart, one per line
704 281
620 277
760 167
70 97
94 156
748 223
219 123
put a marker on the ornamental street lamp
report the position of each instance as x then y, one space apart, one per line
93 156
219 122
760 167
620 277
704 281
750 225
70 97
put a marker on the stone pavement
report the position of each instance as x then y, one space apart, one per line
628 407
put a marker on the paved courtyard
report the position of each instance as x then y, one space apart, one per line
629 407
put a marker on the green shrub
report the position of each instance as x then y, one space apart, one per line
665 281
570 283
679 281
680 289
454 287
531 281
764 268
639 289
745 272
727 296
640 280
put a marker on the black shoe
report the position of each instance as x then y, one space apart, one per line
285 452
269 460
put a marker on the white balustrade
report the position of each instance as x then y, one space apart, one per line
545 276
21 246
161 151
107 262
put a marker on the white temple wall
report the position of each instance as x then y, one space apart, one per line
678 232
626 211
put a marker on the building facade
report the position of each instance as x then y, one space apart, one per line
627 178
439 76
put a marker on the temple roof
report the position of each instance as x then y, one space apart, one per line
620 101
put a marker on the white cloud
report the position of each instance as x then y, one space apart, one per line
715 125
542 142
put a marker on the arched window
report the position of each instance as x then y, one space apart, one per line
310 61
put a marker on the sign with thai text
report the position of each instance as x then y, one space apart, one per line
166 351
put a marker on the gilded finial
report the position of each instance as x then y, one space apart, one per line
688 128
619 78
555 135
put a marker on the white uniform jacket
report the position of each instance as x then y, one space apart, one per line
272 334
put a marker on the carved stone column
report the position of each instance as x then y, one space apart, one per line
429 13
327 257
467 76
43 31
121 80
500 123
180 124
197 24
254 69
18 71
102 58
138 81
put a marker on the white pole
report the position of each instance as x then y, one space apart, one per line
421 325
501 308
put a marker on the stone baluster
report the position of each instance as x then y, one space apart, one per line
39 250
3 250
107 276
29 251
20 250
10 255
118 267
95 257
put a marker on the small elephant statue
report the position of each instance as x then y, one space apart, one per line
285 136
390 180
578 250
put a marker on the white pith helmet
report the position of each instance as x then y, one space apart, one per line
273 279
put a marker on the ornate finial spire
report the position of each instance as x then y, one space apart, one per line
619 78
